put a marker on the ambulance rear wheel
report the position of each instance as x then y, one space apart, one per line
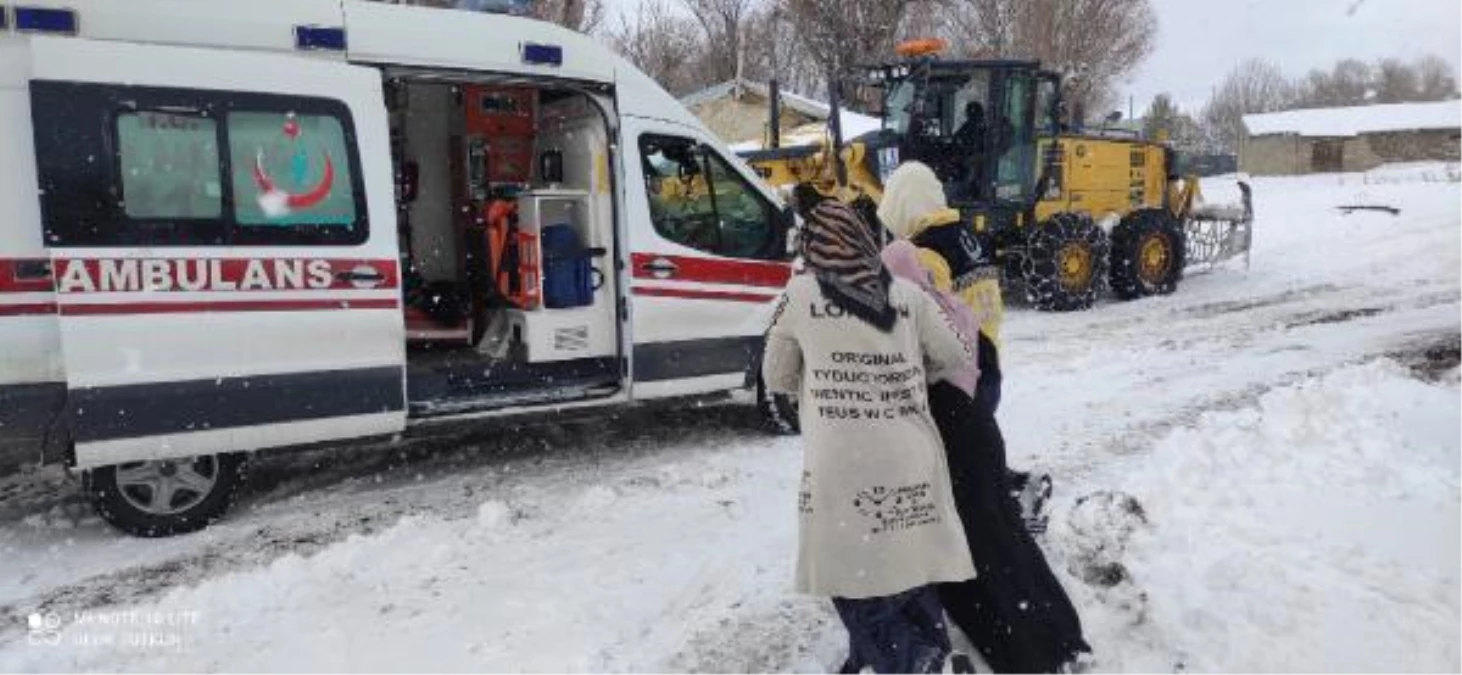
779 410
162 498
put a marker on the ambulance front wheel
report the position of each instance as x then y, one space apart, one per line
162 498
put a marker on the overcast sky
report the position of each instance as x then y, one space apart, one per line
1199 41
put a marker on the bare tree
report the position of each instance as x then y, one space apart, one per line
1255 86
724 24
585 16
663 43
1396 82
926 18
776 51
1435 79
1093 43
840 35
1161 117
1351 80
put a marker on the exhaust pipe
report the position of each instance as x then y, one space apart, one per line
774 125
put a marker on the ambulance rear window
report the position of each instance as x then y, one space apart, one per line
127 166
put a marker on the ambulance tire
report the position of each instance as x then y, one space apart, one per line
779 410
198 491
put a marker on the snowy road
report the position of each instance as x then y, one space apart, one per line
1297 482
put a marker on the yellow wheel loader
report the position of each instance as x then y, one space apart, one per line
1063 213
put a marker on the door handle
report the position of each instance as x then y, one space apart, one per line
32 270
371 276
660 268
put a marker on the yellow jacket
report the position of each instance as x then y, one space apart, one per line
981 293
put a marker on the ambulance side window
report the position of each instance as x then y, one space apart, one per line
288 170
153 166
698 200
169 165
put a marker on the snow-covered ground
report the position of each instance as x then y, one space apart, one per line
1260 472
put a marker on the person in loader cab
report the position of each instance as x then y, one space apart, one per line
969 141
1014 611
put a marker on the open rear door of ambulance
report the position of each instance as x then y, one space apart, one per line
223 245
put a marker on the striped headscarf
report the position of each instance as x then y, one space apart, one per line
841 253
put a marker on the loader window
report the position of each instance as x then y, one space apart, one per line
698 200
1048 118
1016 141
899 106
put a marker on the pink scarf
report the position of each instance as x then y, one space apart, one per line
901 259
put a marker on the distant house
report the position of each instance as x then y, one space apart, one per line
1327 140
737 112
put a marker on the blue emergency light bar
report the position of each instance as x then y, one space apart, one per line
542 55
319 38
46 20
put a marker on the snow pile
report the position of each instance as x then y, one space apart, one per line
1414 172
1318 532
1315 122
657 569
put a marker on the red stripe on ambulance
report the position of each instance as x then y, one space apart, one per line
715 271
28 309
686 294
25 276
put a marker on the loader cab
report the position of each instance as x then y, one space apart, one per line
976 123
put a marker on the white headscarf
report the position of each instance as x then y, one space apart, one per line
911 193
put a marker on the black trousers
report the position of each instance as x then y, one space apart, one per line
900 633
1015 611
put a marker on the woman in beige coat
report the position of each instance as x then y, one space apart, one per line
878 526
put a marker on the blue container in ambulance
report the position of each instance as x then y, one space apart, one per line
568 276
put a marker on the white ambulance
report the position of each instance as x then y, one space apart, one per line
228 226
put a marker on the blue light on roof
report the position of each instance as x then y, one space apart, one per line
45 20
542 55
319 38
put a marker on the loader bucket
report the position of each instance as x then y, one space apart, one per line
1219 232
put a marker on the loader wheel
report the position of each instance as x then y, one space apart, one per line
1064 263
1147 254
162 498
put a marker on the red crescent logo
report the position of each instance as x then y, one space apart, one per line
301 200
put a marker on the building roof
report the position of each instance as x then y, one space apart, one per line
854 124
801 104
1319 122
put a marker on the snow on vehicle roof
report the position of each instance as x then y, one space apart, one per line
1357 120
